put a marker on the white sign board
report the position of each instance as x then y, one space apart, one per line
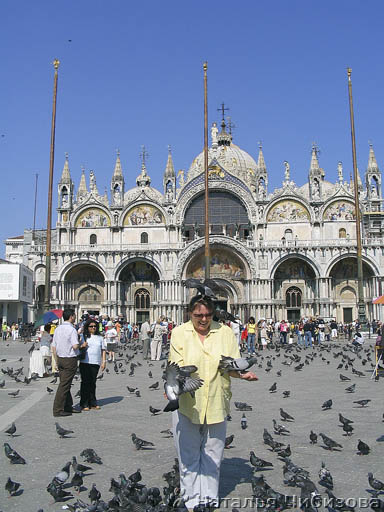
16 283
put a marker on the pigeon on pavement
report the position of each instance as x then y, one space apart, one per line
11 430
62 431
11 486
12 455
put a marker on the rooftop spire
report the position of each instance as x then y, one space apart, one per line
66 176
82 190
314 159
261 162
372 163
169 169
118 171
224 138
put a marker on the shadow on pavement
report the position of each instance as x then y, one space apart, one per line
110 400
234 471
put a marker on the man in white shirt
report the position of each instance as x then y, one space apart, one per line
145 337
65 349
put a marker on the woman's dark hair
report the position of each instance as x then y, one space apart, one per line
198 300
86 332
251 320
47 328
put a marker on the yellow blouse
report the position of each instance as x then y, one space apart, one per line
211 402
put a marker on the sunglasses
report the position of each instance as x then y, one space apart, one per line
199 317
92 327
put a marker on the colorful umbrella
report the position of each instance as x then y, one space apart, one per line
49 316
379 300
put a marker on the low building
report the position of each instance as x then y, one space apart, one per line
16 292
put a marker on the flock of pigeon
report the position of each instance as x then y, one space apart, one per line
275 459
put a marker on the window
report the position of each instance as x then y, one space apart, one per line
144 238
93 239
142 299
293 297
342 233
288 234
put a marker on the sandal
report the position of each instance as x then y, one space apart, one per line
97 407
85 408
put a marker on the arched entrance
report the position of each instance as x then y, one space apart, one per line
139 291
84 289
344 287
294 290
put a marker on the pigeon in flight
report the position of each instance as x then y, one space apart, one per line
178 380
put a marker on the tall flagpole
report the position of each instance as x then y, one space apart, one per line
34 209
360 288
206 253
47 288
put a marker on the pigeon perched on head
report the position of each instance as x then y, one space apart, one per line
178 380
11 487
62 431
207 288
362 448
12 455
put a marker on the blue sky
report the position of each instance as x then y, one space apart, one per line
131 74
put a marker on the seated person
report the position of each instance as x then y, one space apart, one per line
45 344
358 339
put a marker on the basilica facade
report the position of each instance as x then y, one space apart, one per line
283 254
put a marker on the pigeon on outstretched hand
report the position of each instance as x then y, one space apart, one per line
12 455
178 380
62 431
229 364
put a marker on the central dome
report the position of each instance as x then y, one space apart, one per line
231 158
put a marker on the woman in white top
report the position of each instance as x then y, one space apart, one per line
93 360
111 337
157 340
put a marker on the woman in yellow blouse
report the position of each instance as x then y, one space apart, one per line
200 423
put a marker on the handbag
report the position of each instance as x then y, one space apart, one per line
82 351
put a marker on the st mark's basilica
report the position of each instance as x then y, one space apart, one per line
283 254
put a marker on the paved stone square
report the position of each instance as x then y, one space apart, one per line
109 430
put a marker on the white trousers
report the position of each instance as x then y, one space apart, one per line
200 450
156 349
